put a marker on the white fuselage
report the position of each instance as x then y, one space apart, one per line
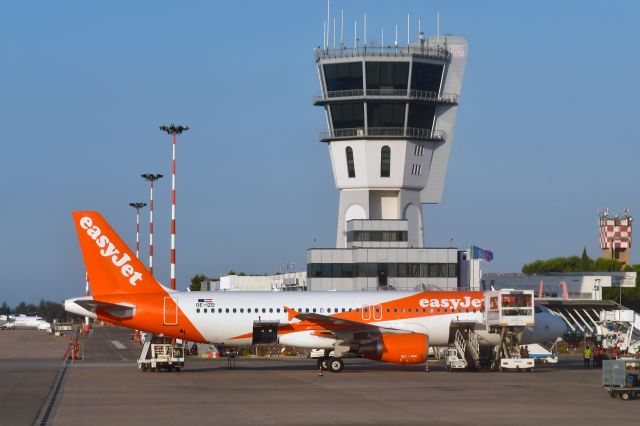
228 317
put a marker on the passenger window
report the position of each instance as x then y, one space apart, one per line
278 310
409 310
377 310
366 310
314 310
234 310
306 310
350 309
205 310
219 310
198 310
357 309
424 310
248 310
264 310
402 310
227 310
388 310
344 310
395 309
438 310
322 310
242 310
270 310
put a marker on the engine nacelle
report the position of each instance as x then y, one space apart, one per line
409 348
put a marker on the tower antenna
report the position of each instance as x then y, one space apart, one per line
396 42
342 28
334 33
419 26
438 26
328 20
382 39
324 35
365 30
355 33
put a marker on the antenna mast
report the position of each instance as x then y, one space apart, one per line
341 28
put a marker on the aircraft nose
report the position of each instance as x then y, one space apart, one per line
557 326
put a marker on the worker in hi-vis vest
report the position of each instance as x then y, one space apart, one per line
587 356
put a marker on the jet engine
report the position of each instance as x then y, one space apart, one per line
408 348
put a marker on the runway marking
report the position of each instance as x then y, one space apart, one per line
50 407
118 345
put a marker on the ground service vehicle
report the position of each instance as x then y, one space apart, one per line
621 377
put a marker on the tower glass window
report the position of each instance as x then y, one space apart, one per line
347 115
385 161
421 115
426 77
387 75
385 114
347 76
351 170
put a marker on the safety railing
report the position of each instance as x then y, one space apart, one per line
420 95
391 132
432 52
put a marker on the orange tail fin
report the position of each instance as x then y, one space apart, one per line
112 267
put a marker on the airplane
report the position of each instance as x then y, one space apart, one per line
23 321
390 326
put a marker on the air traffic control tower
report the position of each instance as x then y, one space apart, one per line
391 114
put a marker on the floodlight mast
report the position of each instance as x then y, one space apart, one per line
151 178
137 206
173 130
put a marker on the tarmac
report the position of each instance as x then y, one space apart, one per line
105 388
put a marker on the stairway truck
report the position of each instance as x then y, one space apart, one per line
517 364
162 357
454 360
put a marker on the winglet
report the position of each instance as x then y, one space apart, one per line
292 313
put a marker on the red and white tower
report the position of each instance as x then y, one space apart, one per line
151 178
173 130
615 236
137 206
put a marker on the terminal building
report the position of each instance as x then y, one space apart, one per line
391 115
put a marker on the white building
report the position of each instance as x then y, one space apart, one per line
391 114
579 285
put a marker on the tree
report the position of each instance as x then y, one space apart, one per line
196 282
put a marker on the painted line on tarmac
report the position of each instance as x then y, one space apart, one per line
118 345
48 411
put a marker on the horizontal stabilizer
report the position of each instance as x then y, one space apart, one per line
87 305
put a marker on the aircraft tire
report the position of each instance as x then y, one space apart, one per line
324 362
336 365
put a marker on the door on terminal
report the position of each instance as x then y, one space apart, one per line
383 273
170 312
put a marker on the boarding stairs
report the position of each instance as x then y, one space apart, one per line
464 338
620 328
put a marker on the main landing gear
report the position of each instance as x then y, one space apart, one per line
335 365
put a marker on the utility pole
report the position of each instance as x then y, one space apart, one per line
137 206
173 130
151 178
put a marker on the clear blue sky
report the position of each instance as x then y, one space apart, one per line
546 132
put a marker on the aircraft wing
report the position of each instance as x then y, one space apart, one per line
343 330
